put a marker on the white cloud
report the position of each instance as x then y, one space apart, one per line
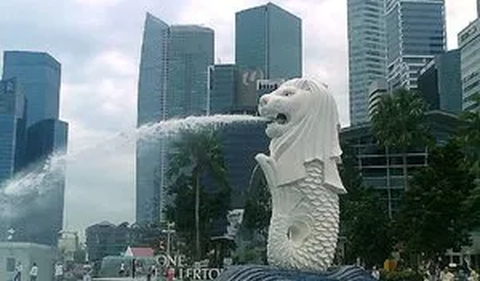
459 14
99 3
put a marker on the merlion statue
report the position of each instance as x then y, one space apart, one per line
302 174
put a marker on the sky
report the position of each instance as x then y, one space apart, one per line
98 44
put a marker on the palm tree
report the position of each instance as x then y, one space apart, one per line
399 122
198 153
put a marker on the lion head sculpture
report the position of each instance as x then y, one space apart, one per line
303 126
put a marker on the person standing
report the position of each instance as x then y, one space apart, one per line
170 274
87 270
149 274
375 273
121 272
134 268
58 272
473 276
17 276
34 272
447 275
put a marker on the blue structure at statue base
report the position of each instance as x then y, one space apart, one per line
268 273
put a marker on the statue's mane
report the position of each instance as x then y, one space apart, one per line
315 137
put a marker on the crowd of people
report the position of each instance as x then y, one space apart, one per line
33 273
430 272
17 273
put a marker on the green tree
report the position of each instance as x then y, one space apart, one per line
432 218
472 205
194 155
468 137
363 219
399 122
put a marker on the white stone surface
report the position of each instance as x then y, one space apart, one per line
302 174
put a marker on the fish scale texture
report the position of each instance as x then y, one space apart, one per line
267 273
304 226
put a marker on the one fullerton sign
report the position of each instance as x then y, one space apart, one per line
182 271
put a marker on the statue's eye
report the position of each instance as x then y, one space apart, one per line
288 93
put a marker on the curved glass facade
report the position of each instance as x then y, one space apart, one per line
172 83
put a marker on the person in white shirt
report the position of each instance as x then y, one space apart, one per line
87 272
58 272
34 272
375 273
18 272
121 272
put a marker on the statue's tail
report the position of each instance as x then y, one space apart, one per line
258 272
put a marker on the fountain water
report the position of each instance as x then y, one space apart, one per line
25 190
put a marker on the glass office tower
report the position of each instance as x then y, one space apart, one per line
172 83
221 87
39 74
12 128
440 82
366 53
43 220
415 34
469 44
268 39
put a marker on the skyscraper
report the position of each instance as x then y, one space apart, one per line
478 8
415 34
172 83
469 44
222 87
44 224
39 75
12 128
190 52
366 53
268 45
268 39
440 82
152 86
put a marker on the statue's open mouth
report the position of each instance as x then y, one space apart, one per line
279 119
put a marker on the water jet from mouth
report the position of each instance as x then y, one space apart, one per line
25 191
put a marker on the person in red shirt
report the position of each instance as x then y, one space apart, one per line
170 274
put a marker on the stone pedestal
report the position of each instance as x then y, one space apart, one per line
267 273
